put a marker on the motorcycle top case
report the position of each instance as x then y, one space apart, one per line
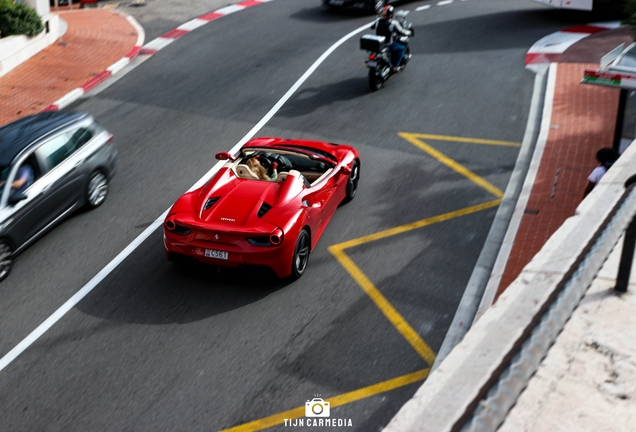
372 43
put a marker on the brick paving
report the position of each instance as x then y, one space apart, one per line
583 121
95 39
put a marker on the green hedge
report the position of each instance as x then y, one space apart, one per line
18 19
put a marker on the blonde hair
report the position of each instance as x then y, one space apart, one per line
258 169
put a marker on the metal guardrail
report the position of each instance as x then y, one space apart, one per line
488 413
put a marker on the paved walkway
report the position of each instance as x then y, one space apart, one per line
583 121
95 39
587 382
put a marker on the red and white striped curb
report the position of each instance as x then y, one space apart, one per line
165 40
550 48
149 49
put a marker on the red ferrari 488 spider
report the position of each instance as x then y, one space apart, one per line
266 207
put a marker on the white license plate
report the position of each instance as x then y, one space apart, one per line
211 253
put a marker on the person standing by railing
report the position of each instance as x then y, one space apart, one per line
606 157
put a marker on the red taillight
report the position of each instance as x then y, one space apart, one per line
371 56
277 237
170 225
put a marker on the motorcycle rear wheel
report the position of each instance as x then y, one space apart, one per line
375 82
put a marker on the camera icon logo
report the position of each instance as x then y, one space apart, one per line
317 408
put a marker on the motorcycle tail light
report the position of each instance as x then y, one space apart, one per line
371 56
277 237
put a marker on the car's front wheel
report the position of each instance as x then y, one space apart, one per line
6 259
301 255
97 190
352 182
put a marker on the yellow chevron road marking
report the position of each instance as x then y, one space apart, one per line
336 401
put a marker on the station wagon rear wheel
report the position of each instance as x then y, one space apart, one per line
96 190
301 255
6 259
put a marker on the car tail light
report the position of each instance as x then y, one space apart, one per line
259 241
277 237
176 228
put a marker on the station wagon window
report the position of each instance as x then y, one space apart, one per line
54 151
83 135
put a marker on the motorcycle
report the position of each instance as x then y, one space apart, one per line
379 59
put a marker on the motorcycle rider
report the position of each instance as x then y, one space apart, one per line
390 28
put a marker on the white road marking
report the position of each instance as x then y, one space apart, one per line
445 2
421 8
77 297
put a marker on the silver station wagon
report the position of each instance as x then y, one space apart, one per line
51 164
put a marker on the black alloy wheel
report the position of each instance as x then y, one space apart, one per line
352 182
6 259
96 190
301 255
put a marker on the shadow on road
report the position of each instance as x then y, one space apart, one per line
308 100
147 289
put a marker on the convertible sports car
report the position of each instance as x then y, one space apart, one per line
265 208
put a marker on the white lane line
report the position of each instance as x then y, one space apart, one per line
421 8
70 303
445 2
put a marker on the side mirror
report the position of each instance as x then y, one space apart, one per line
225 156
16 197
345 170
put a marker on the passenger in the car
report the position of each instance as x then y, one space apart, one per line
255 165
257 168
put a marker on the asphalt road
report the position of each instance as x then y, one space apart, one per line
155 348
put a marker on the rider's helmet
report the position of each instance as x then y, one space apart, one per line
387 12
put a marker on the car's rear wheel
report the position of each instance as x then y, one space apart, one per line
6 259
97 190
352 182
301 255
